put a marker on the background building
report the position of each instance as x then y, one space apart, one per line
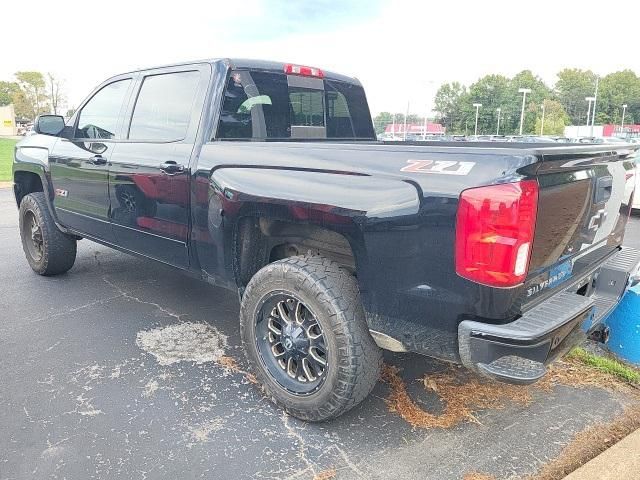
415 129
7 121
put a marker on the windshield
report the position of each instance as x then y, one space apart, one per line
268 105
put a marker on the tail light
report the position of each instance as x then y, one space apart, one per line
494 233
291 69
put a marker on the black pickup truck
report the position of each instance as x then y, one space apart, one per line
266 178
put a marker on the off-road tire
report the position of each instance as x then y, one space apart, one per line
58 249
354 360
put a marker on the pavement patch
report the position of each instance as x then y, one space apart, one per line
183 342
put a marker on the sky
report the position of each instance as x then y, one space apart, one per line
401 50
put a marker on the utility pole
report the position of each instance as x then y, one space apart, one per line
524 92
624 109
477 105
498 127
542 124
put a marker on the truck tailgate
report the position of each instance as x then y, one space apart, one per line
583 207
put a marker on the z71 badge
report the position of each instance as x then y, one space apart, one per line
441 167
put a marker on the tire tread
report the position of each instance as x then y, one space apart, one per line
337 291
59 249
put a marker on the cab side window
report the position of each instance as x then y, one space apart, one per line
99 117
164 105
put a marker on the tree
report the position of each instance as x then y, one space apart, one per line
22 107
34 98
539 93
572 87
555 117
616 89
56 94
493 92
7 91
448 105
381 121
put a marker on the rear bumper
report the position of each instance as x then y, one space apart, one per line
518 352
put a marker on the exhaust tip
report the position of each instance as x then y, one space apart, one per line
601 335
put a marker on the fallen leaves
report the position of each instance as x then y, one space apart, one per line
232 365
463 393
478 476
461 397
325 474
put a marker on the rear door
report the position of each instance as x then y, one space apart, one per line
149 180
79 164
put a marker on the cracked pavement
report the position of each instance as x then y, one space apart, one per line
80 399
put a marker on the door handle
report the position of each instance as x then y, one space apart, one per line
98 160
171 168
604 187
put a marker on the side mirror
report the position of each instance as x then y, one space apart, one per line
49 124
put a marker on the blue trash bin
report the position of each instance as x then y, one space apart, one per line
624 322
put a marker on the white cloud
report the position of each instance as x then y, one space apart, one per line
395 53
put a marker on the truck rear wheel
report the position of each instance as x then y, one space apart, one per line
306 338
48 250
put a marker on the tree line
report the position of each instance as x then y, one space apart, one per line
564 102
33 93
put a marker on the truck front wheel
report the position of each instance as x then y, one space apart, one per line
306 338
48 250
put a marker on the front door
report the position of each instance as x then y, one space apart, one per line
149 181
79 164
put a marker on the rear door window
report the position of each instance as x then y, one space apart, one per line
163 109
268 105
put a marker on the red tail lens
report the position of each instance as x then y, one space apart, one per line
291 69
494 232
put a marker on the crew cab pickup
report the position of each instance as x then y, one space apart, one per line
266 178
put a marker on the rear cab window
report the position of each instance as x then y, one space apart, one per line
265 105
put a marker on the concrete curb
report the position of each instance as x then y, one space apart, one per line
6 184
620 462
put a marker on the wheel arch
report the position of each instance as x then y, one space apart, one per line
26 182
29 178
260 239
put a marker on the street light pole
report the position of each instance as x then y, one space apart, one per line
524 92
498 127
406 114
477 105
593 114
589 99
624 109
424 131
427 110
393 127
542 123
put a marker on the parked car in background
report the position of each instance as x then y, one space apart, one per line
531 139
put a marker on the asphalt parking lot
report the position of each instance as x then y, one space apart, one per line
94 385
